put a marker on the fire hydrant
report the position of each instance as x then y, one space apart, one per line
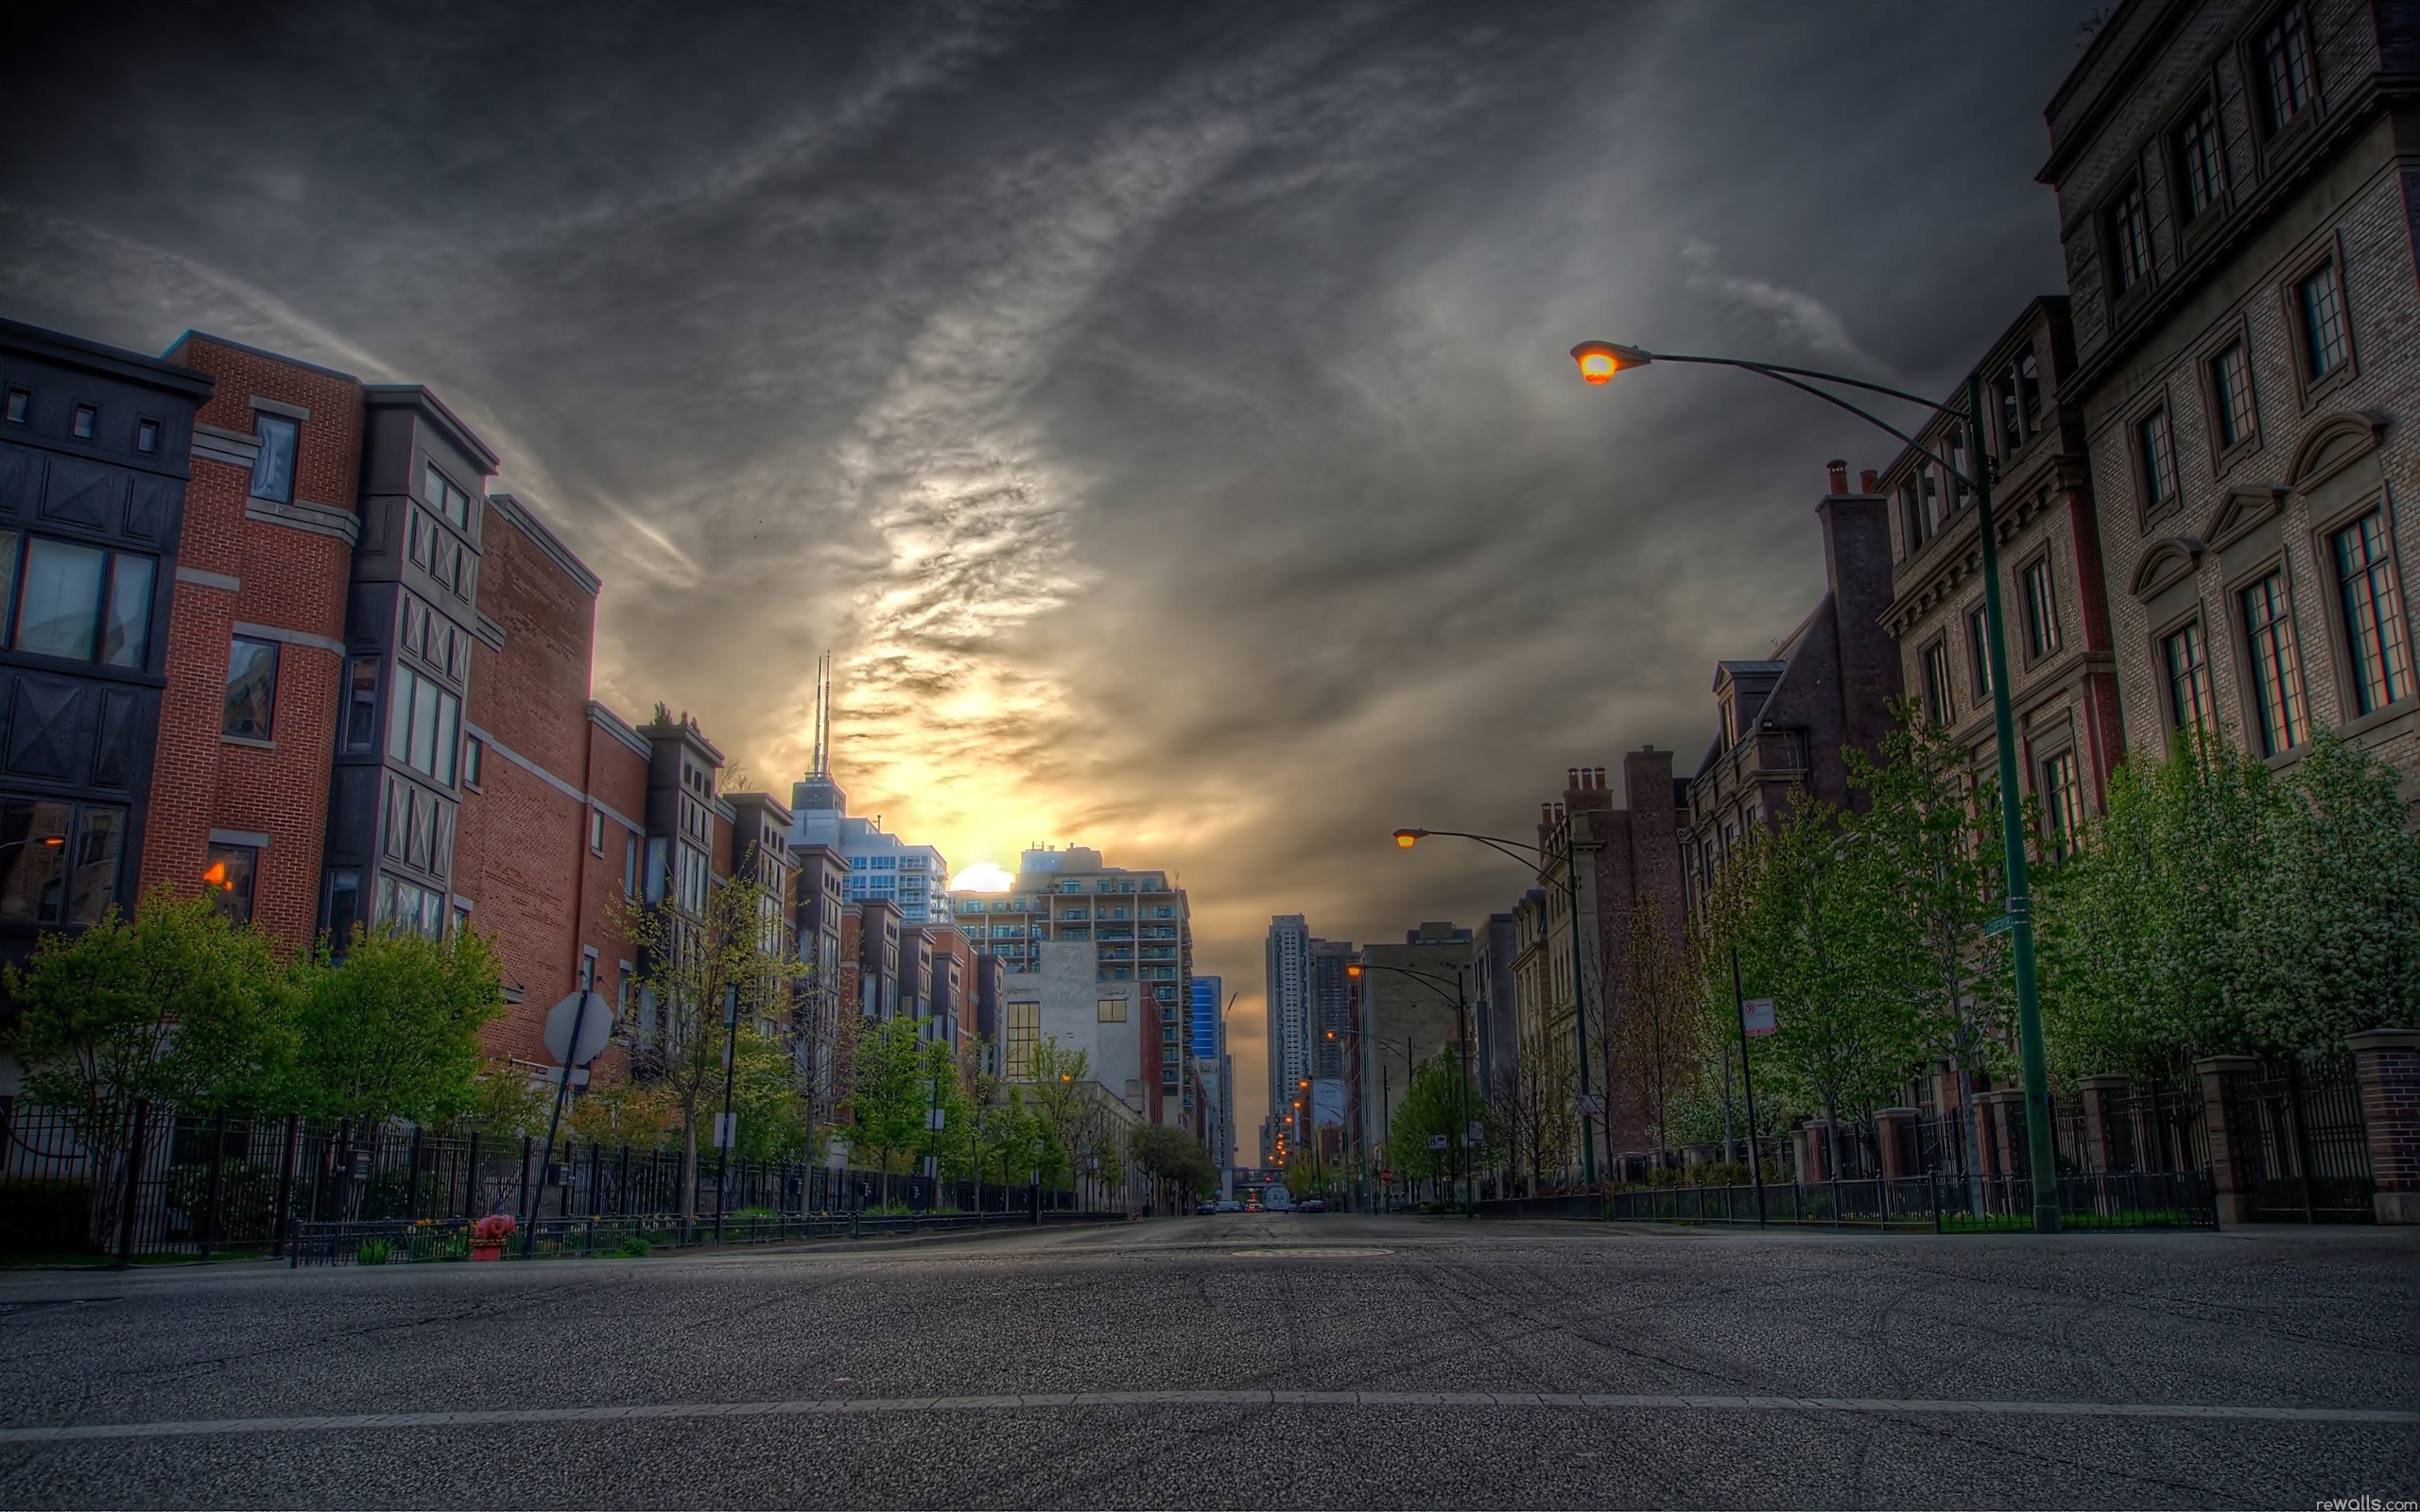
489 1234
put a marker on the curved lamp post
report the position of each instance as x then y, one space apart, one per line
1408 839
1462 1044
1598 362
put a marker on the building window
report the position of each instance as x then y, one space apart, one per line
59 862
226 874
2320 300
1936 683
2041 610
344 905
2187 664
2276 671
445 498
146 436
361 705
63 610
427 725
596 832
1113 1010
1978 652
475 760
2201 165
2062 794
251 689
622 987
2130 239
2231 397
19 404
2373 615
2285 69
407 905
630 862
2155 461
1024 1032
274 469
88 420
588 969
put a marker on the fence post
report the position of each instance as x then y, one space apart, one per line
2302 1133
210 1198
471 1176
132 1192
2388 1063
411 1181
282 1234
2230 1183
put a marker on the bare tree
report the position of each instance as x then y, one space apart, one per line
1653 1051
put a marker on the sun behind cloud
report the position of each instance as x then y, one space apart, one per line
983 876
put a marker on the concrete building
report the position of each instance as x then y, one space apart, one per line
1288 958
1214 1069
1782 720
1136 932
2061 674
1495 946
1061 998
2239 190
95 449
1406 1019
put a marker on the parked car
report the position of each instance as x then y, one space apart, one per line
1229 1205
1207 1209
1313 1205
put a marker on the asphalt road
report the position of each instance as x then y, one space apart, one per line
1264 1360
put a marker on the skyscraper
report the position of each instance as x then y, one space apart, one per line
1289 1008
881 865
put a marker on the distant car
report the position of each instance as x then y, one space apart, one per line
1314 1205
1229 1205
1253 1203
1207 1208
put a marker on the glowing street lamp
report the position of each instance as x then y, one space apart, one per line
1599 361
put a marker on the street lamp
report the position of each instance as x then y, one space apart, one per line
1462 1045
1599 361
1408 839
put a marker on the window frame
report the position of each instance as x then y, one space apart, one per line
15 573
1979 651
17 405
2313 384
72 847
2051 638
2120 288
2217 412
2064 810
2269 134
2344 640
220 896
1933 679
2150 502
2294 680
293 424
2176 138
2195 625
267 734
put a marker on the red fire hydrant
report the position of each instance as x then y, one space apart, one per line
489 1234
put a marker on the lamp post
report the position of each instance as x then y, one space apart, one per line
1571 858
1461 1046
1598 362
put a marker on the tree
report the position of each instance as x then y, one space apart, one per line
2331 936
623 1112
175 1005
1175 1157
1536 1099
887 1102
1432 1111
392 1031
1654 1040
734 956
2143 949
769 1108
1060 1108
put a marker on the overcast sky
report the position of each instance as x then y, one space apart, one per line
1161 409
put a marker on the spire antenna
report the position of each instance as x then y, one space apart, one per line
822 716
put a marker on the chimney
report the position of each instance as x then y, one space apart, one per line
1857 567
1837 473
1868 481
1597 778
1570 779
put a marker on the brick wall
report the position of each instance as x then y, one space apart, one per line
289 579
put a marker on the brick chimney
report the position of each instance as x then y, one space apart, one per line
1857 566
1868 481
1836 472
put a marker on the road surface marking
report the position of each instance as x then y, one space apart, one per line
839 1407
1305 1250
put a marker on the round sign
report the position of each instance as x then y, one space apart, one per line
586 1014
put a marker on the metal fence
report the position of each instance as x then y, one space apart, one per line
2299 1144
395 1241
206 1185
1940 1202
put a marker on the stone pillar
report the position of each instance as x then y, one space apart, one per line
2232 1185
2103 1096
1811 1152
2003 1111
2388 1063
1891 1126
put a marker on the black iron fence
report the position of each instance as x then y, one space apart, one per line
1942 1203
206 1185
2298 1142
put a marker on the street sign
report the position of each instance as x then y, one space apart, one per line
836 1155
1439 1142
726 1130
1756 1015
1476 1133
593 1024
2001 925
933 1118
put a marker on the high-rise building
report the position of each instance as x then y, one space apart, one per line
1290 1007
881 865
1136 938
1211 1066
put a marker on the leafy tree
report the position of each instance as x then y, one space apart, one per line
887 1100
2331 936
945 1093
1535 1100
506 1102
1652 1048
1175 1157
735 955
392 1031
1434 1106
2142 938
623 1112
175 1005
771 1112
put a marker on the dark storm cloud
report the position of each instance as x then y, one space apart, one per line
1161 408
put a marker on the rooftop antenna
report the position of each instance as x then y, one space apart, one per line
822 717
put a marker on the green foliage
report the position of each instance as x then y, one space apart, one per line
392 1031
507 1103
1166 1153
773 1117
175 1005
1437 1105
888 1097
